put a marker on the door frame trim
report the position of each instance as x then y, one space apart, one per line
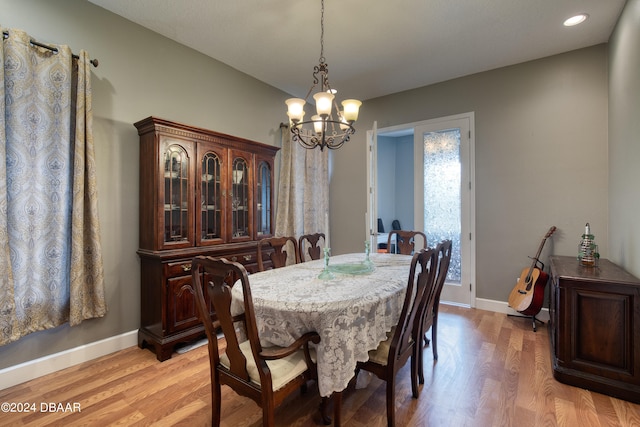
470 116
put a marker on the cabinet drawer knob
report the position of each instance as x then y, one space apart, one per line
247 257
186 267
234 258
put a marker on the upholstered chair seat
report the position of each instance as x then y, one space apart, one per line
282 370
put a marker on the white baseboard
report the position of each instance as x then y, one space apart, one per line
503 307
26 371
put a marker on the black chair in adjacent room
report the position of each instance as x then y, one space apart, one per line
381 230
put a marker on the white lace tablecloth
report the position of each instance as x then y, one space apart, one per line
351 313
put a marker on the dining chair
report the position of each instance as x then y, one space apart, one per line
283 249
405 241
432 302
309 244
404 339
267 375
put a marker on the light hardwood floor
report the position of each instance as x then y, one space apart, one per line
493 370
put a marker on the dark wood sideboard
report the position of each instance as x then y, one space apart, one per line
595 327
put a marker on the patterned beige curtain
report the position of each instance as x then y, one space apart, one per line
303 191
49 231
87 272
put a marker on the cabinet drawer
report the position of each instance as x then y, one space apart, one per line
251 268
244 258
178 268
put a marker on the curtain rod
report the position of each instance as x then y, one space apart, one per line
93 62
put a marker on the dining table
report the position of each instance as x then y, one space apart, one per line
352 310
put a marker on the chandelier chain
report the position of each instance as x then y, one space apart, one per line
322 31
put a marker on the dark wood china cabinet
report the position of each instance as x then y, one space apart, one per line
201 193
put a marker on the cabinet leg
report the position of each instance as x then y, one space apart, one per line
163 353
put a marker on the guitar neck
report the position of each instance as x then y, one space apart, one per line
537 257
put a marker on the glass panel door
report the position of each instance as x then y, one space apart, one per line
240 199
176 194
211 201
442 180
444 197
263 202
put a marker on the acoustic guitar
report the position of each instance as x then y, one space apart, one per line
528 294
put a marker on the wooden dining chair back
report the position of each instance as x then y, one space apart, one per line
310 246
432 302
406 242
278 250
266 375
403 341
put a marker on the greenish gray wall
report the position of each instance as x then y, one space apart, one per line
624 139
541 147
541 159
140 74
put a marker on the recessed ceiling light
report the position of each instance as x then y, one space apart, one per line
575 20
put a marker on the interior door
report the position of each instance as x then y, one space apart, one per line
460 285
444 194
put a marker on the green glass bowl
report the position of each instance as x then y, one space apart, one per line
354 268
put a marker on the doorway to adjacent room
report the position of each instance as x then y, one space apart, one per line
421 174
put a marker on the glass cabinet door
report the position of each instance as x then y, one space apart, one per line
240 199
176 194
211 207
263 199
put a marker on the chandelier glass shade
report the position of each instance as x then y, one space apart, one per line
331 126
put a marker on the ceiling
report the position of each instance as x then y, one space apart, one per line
372 47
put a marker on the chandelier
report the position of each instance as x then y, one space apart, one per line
326 128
